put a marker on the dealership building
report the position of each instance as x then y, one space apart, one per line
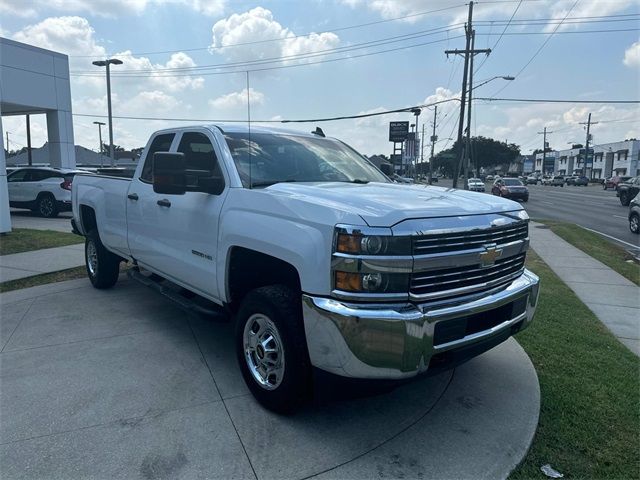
35 81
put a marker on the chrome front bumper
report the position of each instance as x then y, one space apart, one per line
395 342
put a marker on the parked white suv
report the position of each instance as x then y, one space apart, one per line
45 191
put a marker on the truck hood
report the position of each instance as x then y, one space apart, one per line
386 204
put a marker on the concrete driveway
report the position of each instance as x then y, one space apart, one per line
28 219
122 384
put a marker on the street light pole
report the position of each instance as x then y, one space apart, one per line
106 63
100 124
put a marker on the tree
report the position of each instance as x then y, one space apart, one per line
485 152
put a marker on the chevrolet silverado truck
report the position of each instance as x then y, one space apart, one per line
326 266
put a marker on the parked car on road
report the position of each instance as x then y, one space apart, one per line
546 180
322 262
510 188
489 178
613 182
580 181
628 190
634 215
475 185
532 180
557 181
45 191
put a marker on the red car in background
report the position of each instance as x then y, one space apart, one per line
613 182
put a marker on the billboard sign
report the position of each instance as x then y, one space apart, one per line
398 131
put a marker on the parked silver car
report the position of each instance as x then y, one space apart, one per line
475 185
634 215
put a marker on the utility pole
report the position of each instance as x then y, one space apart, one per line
468 52
7 142
544 146
586 145
421 150
30 159
434 139
100 124
468 145
106 63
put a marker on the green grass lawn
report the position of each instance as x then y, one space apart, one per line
590 390
600 248
26 240
61 276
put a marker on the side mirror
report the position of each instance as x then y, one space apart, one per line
387 169
211 185
169 173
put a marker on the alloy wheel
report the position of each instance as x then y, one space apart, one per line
264 351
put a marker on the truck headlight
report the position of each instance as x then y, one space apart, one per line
370 261
359 243
371 282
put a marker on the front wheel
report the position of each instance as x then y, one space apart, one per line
46 206
624 199
634 223
272 349
103 267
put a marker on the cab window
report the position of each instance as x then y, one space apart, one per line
199 157
162 143
19 176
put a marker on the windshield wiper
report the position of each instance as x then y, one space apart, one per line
268 183
358 180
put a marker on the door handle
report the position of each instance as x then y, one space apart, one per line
132 196
164 203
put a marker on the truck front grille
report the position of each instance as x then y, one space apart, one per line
451 242
449 282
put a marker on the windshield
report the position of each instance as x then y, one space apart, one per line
271 158
512 182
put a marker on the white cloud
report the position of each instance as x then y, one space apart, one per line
237 99
258 25
105 8
68 35
632 55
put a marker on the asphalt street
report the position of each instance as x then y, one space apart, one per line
590 207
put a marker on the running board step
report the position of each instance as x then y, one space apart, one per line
193 303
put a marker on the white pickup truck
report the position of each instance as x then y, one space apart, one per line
326 265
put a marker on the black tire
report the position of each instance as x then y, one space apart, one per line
282 306
634 223
604 187
46 206
624 199
103 267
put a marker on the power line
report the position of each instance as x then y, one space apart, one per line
345 117
548 100
576 32
539 49
501 35
260 61
279 67
280 39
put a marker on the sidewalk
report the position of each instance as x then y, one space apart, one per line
610 296
36 262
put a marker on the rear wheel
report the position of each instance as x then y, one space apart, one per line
624 199
272 349
46 206
103 267
634 223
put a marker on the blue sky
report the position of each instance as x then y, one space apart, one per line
571 66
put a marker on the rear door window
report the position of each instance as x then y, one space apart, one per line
19 176
162 143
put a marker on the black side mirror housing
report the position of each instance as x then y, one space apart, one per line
387 169
211 185
169 175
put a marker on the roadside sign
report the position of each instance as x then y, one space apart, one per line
398 131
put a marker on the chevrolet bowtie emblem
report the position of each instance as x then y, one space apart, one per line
490 255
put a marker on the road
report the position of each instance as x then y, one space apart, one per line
590 207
